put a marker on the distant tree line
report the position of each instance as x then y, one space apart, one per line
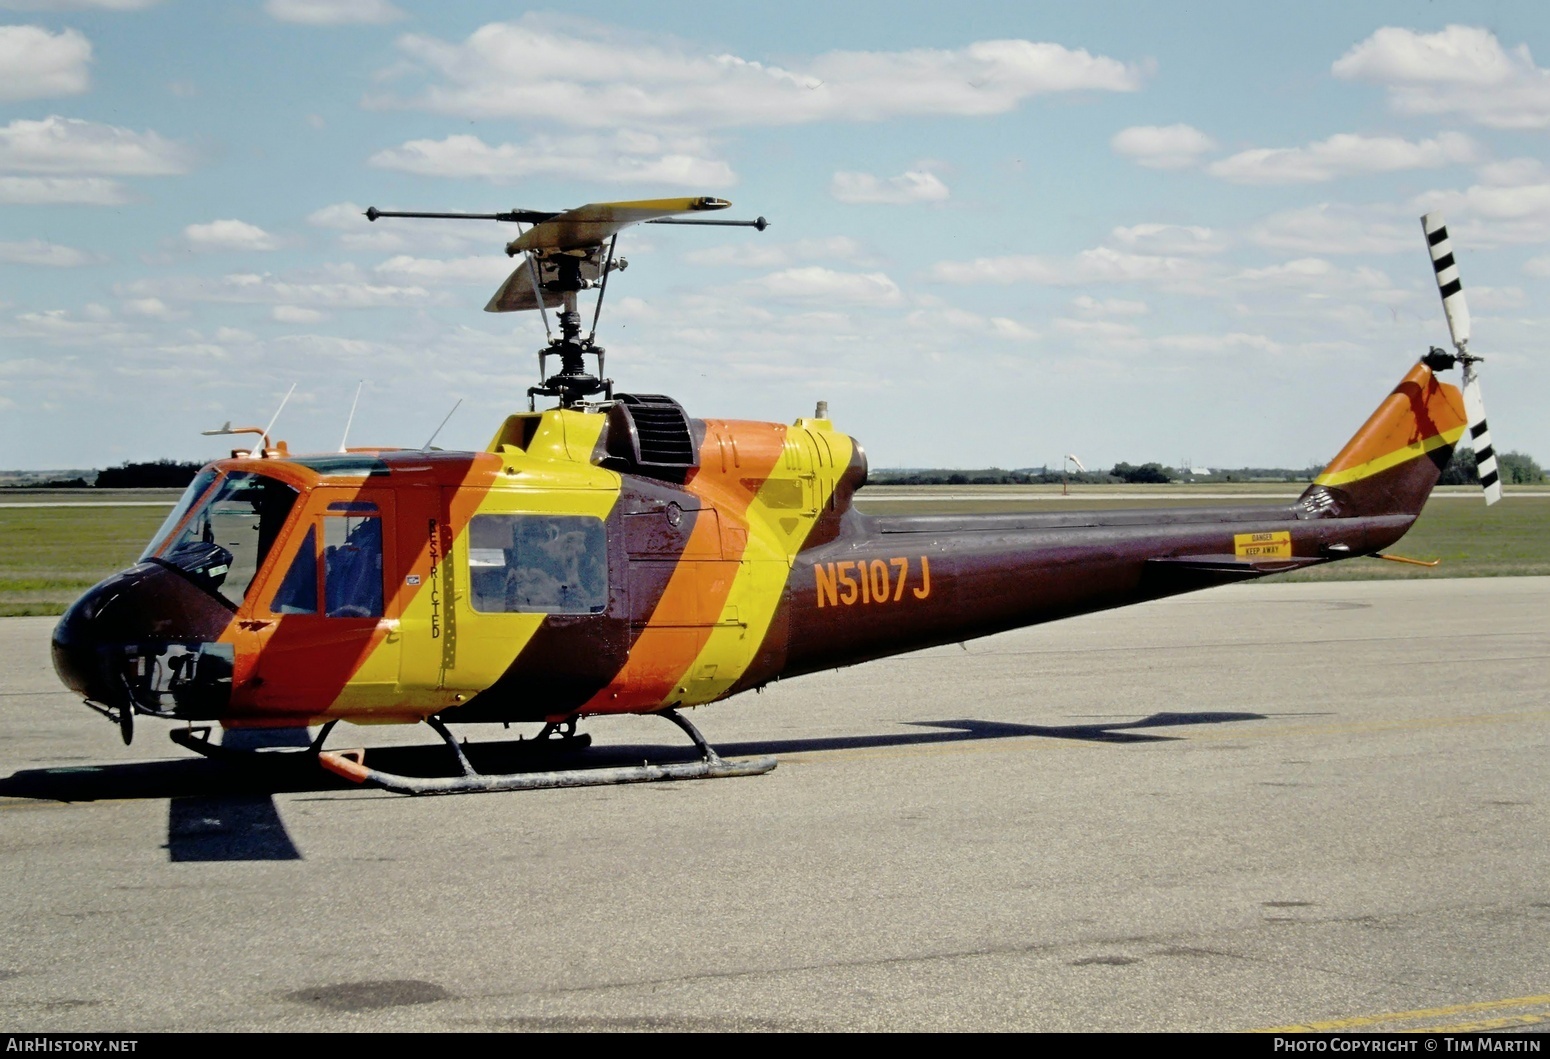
1516 468
156 474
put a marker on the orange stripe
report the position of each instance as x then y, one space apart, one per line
681 624
1420 408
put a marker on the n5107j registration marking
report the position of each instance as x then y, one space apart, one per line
877 581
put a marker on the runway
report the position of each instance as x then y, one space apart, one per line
1319 804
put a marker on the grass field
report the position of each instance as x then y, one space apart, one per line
50 555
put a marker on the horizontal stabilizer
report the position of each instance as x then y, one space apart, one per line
1184 573
1230 566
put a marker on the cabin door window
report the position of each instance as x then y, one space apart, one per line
538 564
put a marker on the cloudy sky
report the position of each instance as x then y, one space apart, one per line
1000 232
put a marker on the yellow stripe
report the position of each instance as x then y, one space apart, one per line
1393 459
1411 1016
553 476
1488 1024
780 518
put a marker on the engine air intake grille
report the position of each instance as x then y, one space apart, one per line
651 433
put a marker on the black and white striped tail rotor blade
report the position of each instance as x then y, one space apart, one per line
1447 278
1457 312
1480 435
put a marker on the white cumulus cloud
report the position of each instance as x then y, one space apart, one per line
1334 228
1345 154
49 191
1484 215
228 235
1167 239
1320 279
480 270
908 187
347 290
1098 265
333 12
756 253
154 308
39 252
342 216
831 286
1090 306
629 158
70 145
1162 146
36 64
295 314
1457 70
541 67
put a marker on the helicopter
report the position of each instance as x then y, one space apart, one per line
612 554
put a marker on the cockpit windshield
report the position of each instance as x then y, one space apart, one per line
195 490
226 540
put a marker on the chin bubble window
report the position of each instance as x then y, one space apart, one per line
547 564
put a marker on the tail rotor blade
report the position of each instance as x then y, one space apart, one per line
1453 305
1480 436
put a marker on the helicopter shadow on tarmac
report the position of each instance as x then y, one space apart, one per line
225 810
966 730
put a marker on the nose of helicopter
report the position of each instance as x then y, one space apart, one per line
78 647
111 641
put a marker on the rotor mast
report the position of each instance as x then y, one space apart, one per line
561 259
572 384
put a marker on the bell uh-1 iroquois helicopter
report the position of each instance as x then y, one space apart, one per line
613 555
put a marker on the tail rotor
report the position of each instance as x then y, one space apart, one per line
1457 311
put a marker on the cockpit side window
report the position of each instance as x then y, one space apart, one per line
548 564
225 541
298 591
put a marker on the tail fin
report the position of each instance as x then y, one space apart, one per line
1390 466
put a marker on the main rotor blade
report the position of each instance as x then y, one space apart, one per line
595 223
1480 435
520 216
759 223
1448 284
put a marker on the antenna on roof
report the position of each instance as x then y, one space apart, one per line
264 449
351 419
432 438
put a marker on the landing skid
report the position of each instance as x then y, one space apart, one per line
351 764
198 740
